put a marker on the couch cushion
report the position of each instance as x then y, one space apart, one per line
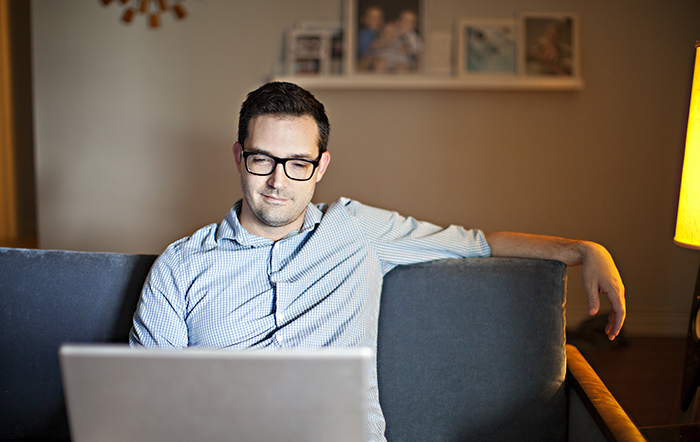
473 349
48 298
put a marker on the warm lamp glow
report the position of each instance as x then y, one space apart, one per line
688 223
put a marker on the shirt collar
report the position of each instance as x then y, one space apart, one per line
230 228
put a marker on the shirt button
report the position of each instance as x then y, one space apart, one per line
280 317
279 338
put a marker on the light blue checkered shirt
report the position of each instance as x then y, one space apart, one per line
320 286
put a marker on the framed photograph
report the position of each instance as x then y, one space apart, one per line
486 47
335 29
385 36
308 52
550 45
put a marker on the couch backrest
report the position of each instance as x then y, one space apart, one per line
48 298
469 349
473 350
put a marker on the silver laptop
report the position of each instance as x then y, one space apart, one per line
116 393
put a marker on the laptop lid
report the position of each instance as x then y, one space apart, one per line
117 393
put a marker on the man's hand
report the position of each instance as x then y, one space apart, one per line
600 275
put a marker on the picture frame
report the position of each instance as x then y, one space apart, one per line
486 47
385 37
549 45
308 52
337 43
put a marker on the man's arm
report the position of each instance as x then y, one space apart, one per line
600 275
159 317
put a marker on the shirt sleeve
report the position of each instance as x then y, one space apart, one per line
403 240
159 320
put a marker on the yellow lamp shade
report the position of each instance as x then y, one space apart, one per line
688 222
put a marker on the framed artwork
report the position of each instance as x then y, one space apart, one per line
385 36
308 52
486 47
550 45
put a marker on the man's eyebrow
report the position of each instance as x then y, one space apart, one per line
301 156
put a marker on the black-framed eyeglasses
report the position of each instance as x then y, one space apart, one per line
296 169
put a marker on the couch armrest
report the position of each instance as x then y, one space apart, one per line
594 414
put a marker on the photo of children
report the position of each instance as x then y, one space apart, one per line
388 36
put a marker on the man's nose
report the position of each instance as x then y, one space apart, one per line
278 178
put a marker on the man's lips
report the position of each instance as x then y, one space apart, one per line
274 199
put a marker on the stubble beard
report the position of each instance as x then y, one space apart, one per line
269 214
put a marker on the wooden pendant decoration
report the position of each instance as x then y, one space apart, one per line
152 8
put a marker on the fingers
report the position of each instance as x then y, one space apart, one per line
593 302
615 293
616 296
616 318
611 321
614 325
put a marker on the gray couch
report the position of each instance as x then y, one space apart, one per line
469 349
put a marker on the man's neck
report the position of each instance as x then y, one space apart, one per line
253 225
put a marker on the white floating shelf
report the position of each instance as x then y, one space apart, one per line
428 82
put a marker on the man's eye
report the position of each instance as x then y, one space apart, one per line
261 160
299 164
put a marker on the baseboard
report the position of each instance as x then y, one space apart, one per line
641 323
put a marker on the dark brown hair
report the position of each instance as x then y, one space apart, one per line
284 99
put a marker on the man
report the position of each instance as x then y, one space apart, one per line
282 272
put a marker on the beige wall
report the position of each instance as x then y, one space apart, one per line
134 129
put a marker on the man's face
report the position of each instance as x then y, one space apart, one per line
274 205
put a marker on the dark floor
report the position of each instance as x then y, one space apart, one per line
644 375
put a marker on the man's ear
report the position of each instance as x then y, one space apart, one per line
323 165
237 156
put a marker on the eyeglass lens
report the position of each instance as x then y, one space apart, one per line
296 169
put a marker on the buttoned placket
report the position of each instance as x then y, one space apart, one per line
277 287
